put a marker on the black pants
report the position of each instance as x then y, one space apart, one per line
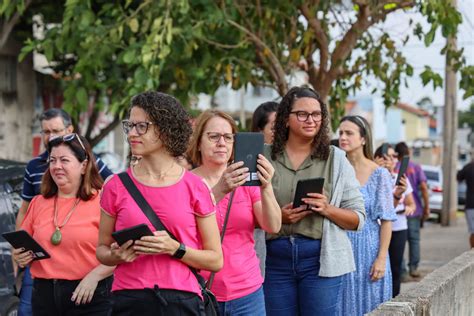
53 297
156 301
395 251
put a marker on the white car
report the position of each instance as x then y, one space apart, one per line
434 177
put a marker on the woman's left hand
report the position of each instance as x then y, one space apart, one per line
85 289
377 271
317 203
265 171
160 243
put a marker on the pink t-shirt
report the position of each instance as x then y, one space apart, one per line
240 275
177 206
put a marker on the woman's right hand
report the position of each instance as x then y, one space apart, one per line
383 162
290 215
22 257
234 176
124 253
401 187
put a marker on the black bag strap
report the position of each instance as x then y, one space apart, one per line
152 217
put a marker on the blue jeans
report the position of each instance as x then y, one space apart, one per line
414 242
292 282
251 304
24 309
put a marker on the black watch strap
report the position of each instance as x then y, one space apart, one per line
179 253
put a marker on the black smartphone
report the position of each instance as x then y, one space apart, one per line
303 187
403 168
21 239
384 149
131 233
247 147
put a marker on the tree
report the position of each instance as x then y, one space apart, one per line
467 117
109 51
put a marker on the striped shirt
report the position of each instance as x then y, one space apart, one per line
36 168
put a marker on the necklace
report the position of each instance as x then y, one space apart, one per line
161 175
57 236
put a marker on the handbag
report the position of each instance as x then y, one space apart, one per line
211 307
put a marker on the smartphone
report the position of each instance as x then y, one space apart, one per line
21 239
303 187
403 169
131 233
384 149
247 147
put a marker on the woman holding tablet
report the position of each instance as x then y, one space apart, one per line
64 220
238 286
307 258
371 283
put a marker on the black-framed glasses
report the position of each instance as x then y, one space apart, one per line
67 138
140 127
52 132
215 137
302 116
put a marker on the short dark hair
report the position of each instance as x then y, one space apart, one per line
169 118
364 131
402 150
55 112
322 140
91 181
260 115
378 151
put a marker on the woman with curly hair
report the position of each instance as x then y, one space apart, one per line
307 258
152 275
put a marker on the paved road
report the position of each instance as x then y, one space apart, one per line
439 245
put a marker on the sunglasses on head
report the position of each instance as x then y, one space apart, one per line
67 138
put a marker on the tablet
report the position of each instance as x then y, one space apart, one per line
403 168
131 233
21 239
303 187
247 147
384 149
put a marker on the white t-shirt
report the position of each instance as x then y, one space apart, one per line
401 222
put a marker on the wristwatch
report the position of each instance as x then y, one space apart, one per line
179 253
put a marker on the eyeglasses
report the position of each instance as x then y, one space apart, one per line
140 127
53 132
302 116
67 138
215 137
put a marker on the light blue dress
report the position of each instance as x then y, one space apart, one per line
360 295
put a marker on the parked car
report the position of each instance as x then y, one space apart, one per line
11 180
434 179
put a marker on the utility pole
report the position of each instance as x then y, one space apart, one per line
450 145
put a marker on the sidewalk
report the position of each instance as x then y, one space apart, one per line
439 245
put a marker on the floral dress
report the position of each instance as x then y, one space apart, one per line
360 295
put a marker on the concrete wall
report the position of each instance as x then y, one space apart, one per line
17 109
446 291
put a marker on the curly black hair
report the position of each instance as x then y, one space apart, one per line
169 118
322 140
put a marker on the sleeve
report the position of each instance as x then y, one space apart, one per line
421 174
103 170
255 194
29 218
384 209
204 204
28 191
461 176
352 197
108 197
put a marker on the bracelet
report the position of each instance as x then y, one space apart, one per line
398 198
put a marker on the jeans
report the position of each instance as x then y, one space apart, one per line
155 302
292 283
252 304
414 242
53 297
395 251
24 309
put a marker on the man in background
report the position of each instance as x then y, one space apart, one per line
467 174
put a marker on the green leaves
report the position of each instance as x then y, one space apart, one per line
428 75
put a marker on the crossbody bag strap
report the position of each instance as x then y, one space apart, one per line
151 215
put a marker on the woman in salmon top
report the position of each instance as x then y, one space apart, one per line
64 220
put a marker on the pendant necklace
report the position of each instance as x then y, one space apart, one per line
57 236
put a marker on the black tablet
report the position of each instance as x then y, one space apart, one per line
303 187
403 168
21 239
131 233
247 147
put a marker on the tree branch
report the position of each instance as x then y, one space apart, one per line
321 37
104 132
7 26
